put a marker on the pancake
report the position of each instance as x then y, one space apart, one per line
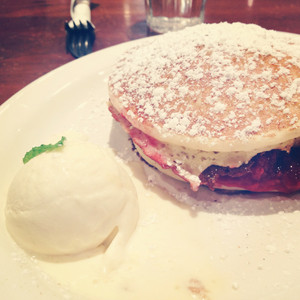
210 95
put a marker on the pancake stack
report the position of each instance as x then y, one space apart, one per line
215 105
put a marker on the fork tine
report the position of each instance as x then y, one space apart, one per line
81 46
82 26
67 26
90 25
77 42
76 27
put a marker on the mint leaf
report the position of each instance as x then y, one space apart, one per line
42 148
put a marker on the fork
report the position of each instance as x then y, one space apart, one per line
80 30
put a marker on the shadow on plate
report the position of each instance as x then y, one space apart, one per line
100 250
217 202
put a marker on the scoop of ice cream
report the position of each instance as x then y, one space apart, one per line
70 200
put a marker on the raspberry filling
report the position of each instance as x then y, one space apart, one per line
271 171
274 170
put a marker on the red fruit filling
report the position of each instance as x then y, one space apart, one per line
274 170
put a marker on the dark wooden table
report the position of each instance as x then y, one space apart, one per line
32 35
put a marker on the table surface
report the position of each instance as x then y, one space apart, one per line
32 34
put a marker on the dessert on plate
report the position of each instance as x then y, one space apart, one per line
215 105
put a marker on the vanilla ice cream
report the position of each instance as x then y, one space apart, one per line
70 200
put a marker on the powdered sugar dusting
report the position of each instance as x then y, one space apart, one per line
226 81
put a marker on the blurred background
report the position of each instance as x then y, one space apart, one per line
32 34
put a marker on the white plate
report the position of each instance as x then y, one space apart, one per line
239 247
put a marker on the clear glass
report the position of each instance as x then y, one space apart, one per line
171 15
